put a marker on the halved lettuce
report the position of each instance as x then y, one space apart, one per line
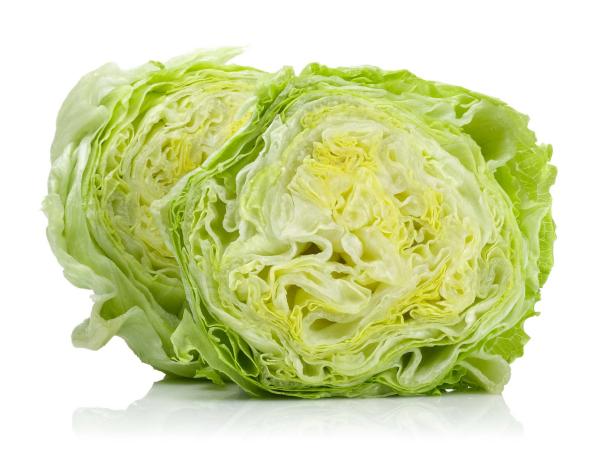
123 140
384 235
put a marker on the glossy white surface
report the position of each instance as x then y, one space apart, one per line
553 61
179 408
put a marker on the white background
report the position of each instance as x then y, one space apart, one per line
554 61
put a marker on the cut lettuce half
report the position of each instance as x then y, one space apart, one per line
383 235
123 140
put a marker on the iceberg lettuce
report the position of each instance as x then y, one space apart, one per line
390 237
123 140
341 232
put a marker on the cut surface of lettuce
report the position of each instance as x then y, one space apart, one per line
383 235
124 138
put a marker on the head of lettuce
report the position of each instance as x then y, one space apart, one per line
124 138
352 232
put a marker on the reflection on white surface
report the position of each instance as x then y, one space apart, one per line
181 407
